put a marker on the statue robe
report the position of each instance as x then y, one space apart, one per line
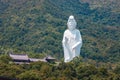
72 43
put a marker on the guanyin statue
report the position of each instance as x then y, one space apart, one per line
72 40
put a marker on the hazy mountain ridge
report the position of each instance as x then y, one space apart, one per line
37 27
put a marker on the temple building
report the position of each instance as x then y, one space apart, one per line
20 58
24 59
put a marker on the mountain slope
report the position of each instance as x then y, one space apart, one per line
38 26
111 4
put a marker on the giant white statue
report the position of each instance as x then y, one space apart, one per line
72 40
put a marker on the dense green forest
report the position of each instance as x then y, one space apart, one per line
78 69
36 27
109 4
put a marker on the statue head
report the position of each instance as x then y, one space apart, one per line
71 23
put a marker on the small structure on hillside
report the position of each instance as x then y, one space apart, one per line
50 59
20 58
24 59
35 60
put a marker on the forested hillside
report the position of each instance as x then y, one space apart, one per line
74 70
109 4
37 26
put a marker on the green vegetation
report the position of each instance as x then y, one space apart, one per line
36 27
109 4
75 70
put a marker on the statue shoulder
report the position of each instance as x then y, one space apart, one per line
66 31
77 31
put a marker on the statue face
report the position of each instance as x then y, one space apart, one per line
71 23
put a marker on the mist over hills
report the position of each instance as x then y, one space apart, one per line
37 26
